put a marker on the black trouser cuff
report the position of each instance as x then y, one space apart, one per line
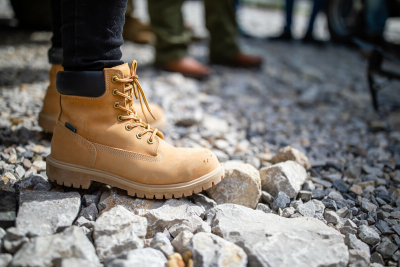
55 55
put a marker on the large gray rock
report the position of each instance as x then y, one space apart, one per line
118 230
172 213
287 177
181 241
211 250
241 185
293 154
270 240
368 235
144 257
45 213
162 243
45 250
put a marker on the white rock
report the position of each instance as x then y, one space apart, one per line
173 212
287 177
241 185
293 154
44 213
162 243
181 241
145 257
211 250
118 230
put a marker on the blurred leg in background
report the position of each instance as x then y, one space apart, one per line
286 34
308 37
134 29
376 14
173 39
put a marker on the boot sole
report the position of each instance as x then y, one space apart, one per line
47 122
81 177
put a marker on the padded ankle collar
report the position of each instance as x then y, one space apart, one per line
81 83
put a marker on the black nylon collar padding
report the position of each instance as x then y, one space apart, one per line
81 83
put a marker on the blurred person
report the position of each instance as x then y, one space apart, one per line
286 34
133 31
99 135
172 38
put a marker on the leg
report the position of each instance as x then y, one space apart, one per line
221 23
376 16
92 34
98 134
286 35
289 14
167 24
318 4
55 52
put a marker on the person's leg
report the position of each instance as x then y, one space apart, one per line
172 39
286 34
375 17
317 7
98 135
289 15
221 23
55 52
308 37
222 26
92 34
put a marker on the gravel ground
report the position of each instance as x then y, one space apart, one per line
313 99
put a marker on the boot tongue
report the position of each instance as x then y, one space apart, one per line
126 72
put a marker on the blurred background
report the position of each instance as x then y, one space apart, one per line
318 97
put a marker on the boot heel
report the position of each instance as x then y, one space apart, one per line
67 177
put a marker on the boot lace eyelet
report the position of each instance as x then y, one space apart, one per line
128 127
116 104
113 79
138 136
119 118
114 92
150 141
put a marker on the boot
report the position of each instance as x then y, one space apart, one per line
100 138
187 66
137 32
239 60
51 106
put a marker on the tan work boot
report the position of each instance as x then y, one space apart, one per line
51 106
137 32
51 102
102 139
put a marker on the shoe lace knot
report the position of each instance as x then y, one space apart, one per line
132 88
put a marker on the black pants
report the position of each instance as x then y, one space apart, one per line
89 32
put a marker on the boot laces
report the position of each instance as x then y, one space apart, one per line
132 88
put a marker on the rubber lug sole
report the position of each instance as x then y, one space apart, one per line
80 177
